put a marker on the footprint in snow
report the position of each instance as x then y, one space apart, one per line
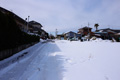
70 61
38 69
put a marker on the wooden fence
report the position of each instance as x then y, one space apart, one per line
9 52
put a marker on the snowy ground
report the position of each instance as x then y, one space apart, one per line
65 60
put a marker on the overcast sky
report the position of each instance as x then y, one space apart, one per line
67 15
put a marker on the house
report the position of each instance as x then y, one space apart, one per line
107 33
84 31
78 36
111 31
69 35
44 34
103 35
60 36
117 37
22 24
51 36
31 27
36 27
35 24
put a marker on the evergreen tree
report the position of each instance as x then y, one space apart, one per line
96 26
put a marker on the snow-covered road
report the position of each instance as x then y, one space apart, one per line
38 64
64 60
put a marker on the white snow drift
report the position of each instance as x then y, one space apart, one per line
64 60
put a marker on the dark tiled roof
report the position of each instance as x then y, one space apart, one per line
70 32
108 29
34 23
16 17
86 27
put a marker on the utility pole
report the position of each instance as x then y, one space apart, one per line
25 29
56 33
28 23
81 33
88 32
88 28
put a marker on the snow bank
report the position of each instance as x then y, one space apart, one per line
99 40
91 60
